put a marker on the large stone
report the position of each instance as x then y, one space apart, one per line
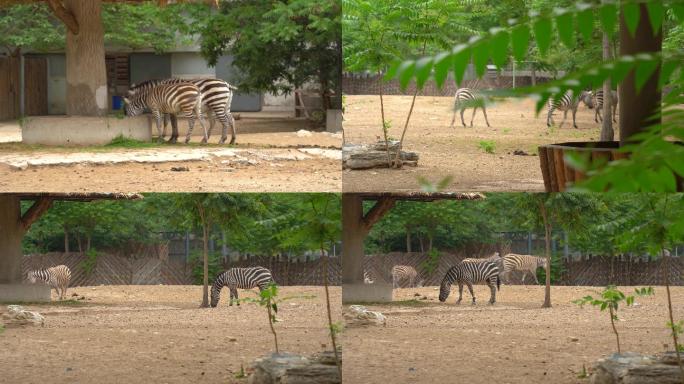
375 155
635 368
17 316
286 368
358 315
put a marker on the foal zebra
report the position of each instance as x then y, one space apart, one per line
184 98
243 278
466 95
57 277
595 100
217 95
469 273
524 263
404 272
567 102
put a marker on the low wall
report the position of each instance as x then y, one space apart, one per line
10 293
83 130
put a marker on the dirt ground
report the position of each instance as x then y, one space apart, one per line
514 341
270 169
455 152
158 334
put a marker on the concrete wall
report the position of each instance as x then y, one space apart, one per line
80 130
190 65
12 293
56 84
367 293
242 102
148 66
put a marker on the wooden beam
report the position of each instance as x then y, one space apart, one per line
381 207
63 14
35 212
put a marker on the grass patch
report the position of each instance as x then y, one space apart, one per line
488 146
126 142
2 329
506 131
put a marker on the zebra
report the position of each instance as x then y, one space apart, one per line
404 272
367 278
524 263
466 95
57 277
469 273
243 278
567 102
595 100
175 98
217 96
494 258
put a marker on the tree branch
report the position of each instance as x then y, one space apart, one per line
379 210
35 212
64 14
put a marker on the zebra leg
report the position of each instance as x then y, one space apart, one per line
574 113
462 121
565 116
598 113
549 118
236 297
492 286
158 118
484 110
534 274
174 129
233 128
473 117
614 113
225 122
460 293
470 289
231 296
453 118
166 121
204 128
523 278
191 123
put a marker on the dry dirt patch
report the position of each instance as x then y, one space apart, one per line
514 341
158 334
455 152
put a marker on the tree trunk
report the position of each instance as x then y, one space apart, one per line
607 133
205 254
534 76
547 241
80 243
10 239
408 240
88 237
352 237
86 74
66 240
384 127
637 109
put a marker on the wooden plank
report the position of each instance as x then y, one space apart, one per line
35 86
543 162
559 168
9 88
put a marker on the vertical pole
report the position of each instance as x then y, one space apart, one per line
22 82
352 239
11 234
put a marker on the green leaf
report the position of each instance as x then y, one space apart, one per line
442 65
678 10
423 70
498 47
564 21
461 58
585 23
608 14
481 58
631 14
520 37
405 71
643 72
392 70
542 34
655 15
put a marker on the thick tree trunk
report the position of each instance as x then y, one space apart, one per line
86 74
547 241
352 237
637 109
607 132
11 233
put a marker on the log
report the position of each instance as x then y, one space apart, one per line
374 155
635 368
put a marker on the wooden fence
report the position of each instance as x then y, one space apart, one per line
595 271
110 269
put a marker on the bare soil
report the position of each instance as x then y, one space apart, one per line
513 341
158 334
455 152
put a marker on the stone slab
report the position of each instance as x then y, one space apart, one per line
367 293
10 293
83 130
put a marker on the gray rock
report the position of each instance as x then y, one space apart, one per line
634 368
286 368
17 316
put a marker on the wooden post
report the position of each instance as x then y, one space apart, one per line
352 237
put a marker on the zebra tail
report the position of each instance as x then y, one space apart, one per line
234 88
498 282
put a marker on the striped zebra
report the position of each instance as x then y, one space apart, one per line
243 278
57 277
469 273
524 263
595 100
567 102
217 96
183 98
367 278
466 95
494 258
403 273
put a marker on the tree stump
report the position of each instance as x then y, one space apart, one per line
286 368
635 368
355 156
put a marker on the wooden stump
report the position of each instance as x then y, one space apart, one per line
375 155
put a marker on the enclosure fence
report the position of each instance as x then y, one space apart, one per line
111 269
592 271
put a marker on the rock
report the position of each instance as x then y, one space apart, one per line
180 169
632 368
572 338
374 155
17 316
303 133
358 315
289 368
233 339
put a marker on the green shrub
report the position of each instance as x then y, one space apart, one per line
487 145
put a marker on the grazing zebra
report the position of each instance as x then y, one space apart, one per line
524 263
176 98
567 102
404 272
595 100
243 278
217 96
469 273
57 277
466 95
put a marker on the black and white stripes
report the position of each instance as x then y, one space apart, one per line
466 98
567 102
57 277
404 273
595 100
243 278
524 263
469 273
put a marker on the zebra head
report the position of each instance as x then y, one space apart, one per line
587 98
133 106
32 277
444 289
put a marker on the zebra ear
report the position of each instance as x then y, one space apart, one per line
126 100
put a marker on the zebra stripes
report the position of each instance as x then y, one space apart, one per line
403 273
524 263
595 100
469 273
467 96
179 98
243 278
494 258
57 277
567 102
217 96
367 278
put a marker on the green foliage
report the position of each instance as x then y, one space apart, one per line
427 186
89 263
241 374
677 329
2 328
215 266
432 262
487 146
29 25
126 142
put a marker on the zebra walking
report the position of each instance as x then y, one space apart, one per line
467 96
469 273
217 96
243 278
403 273
57 277
567 102
595 100
524 263
179 98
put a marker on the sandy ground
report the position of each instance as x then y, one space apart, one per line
514 341
455 152
266 162
158 334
